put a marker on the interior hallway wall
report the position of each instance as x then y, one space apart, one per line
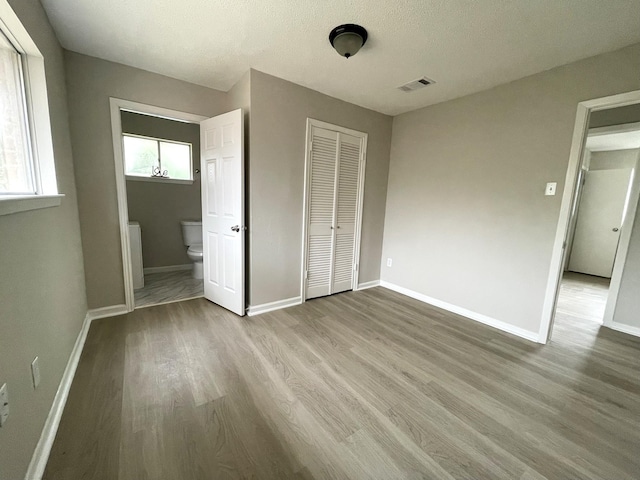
467 221
42 292
90 83
159 207
279 112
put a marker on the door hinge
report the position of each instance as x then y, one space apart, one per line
311 146
306 274
355 267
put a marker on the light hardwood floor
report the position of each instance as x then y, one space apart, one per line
361 385
168 287
582 300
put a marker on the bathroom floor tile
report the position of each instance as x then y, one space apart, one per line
168 287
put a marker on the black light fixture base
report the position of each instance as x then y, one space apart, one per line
351 28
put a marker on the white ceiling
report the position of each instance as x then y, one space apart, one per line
465 45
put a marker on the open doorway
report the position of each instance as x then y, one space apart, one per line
601 205
217 260
157 155
610 161
162 173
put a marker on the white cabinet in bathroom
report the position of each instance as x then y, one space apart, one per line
135 241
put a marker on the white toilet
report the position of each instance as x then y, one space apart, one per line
192 236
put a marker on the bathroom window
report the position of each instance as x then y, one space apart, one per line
148 158
27 167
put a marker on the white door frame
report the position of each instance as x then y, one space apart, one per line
569 197
307 185
116 106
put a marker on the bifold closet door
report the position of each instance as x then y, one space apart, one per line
346 212
335 161
322 181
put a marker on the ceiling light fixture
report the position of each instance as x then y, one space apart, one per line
348 39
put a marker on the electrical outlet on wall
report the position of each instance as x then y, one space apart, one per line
550 189
4 404
35 372
389 262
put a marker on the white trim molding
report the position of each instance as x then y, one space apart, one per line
621 327
21 203
365 285
43 448
168 268
478 317
48 435
270 307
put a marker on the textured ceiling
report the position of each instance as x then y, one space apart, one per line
465 45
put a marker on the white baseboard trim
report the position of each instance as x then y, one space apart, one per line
365 285
43 448
269 307
168 268
478 317
621 327
104 312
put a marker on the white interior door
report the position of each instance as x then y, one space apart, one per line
599 220
335 164
349 156
322 179
222 167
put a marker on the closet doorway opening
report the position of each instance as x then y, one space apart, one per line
335 163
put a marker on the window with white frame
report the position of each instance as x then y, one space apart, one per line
149 157
27 166
16 167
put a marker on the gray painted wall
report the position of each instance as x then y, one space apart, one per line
279 111
42 293
614 159
90 82
160 207
239 96
615 116
467 221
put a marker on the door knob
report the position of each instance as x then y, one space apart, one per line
615 229
236 228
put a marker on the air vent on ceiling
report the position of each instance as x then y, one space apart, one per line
416 84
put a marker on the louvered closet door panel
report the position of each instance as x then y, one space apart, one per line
346 211
321 212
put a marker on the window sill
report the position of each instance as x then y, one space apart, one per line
158 180
22 203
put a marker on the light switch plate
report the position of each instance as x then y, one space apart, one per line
551 188
4 404
389 262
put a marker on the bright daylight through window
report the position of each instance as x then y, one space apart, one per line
16 165
152 157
